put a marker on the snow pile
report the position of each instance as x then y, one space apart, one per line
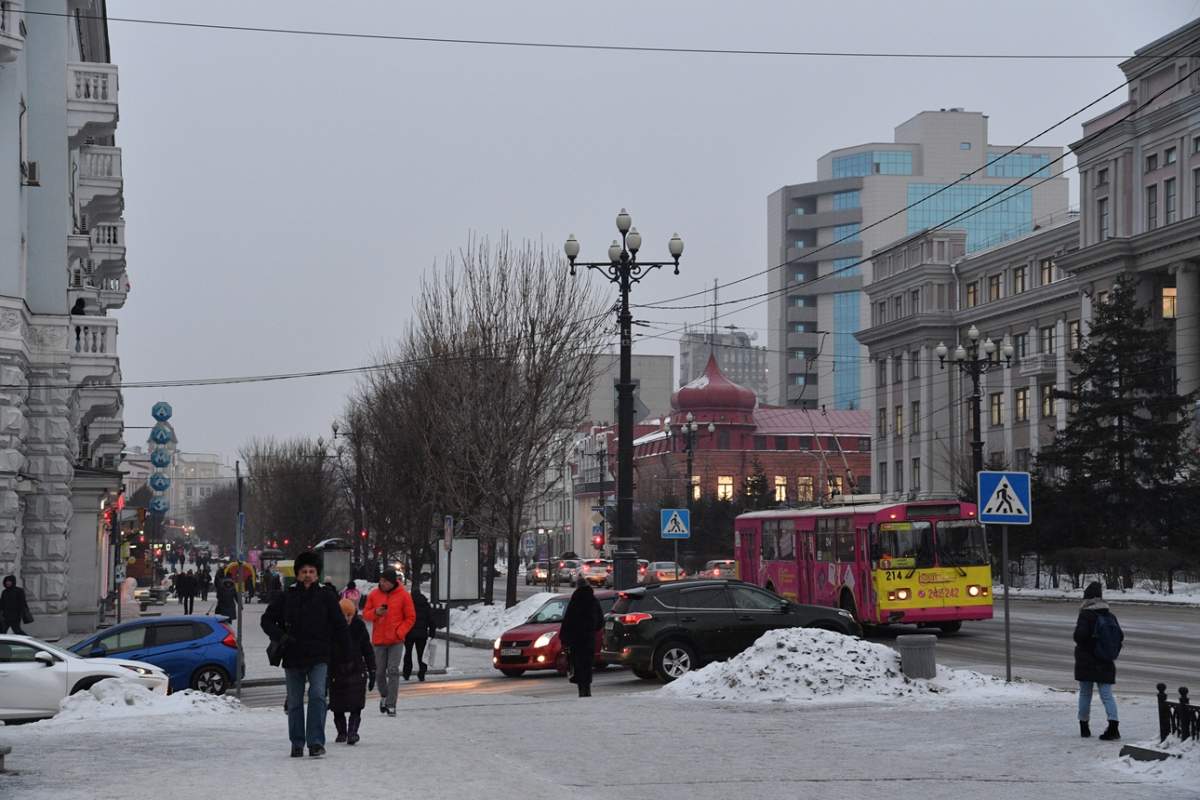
487 622
803 665
113 699
1183 767
1185 594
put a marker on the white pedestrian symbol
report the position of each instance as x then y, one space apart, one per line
675 524
1004 501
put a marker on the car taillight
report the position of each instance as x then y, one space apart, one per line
230 639
716 572
633 618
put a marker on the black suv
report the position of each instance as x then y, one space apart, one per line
665 630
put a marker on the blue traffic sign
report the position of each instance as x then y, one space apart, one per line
675 523
1005 498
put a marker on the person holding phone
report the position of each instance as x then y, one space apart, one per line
390 612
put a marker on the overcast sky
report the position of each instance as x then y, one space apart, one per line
284 193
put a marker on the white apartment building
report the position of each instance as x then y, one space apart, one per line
62 270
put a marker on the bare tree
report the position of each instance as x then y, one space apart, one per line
294 489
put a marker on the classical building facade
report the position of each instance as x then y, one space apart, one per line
1038 292
62 270
819 232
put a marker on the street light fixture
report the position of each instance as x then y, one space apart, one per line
970 362
624 269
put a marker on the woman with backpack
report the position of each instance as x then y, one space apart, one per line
1098 638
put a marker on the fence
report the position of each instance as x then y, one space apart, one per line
1177 718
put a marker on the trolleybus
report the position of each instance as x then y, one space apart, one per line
923 563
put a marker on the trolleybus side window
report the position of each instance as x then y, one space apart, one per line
902 545
825 540
845 540
961 543
768 543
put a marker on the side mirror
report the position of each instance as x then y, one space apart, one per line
42 657
784 606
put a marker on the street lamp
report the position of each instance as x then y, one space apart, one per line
359 518
975 360
688 430
624 269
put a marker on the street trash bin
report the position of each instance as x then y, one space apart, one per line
917 658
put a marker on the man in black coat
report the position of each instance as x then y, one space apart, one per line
1090 668
187 591
581 620
227 597
418 636
308 621
13 606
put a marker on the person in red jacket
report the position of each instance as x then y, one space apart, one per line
390 611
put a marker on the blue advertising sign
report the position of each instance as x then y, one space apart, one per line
160 457
161 411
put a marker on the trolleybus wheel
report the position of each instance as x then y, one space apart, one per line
950 627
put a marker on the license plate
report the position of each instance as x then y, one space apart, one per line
511 651
608 626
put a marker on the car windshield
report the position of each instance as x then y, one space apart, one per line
551 612
903 545
664 565
961 543
718 564
49 648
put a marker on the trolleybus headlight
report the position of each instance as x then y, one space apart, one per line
973 590
900 594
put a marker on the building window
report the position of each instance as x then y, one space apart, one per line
1196 190
972 294
1074 334
898 475
996 406
834 486
695 487
1169 200
1046 271
883 422
1021 405
799 327
1169 157
882 376
1018 279
993 288
883 477
1152 162
724 487
915 478
1101 298
1151 207
1101 177
914 364
1102 217
804 489
899 421
799 380
898 369
781 488
1168 302
1196 144
847 232
798 301
1018 165
964 145
799 277
914 425
1047 390
1047 336
914 301
864 444
844 200
1021 459
898 306
1020 345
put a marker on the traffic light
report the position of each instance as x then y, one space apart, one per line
141 517
598 541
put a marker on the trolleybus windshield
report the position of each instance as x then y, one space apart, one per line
961 543
903 545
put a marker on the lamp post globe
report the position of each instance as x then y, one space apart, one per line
989 346
675 246
973 334
614 251
571 248
1007 351
941 351
960 353
624 221
634 240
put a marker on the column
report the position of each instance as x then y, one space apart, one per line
924 450
1060 377
1035 415
1187 327
1009 412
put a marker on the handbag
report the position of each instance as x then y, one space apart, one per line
26 615
275 651
570 664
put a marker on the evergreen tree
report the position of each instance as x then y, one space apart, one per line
756 494
1118 473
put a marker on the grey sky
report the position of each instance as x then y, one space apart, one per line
284 193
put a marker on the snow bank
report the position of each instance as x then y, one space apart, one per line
1184 595
487 622
1182 768
112 699
802 665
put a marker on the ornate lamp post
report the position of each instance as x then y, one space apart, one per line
688 430
624 269
975 360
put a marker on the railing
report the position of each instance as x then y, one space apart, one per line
100 162
107 234
96 83
1177 718
95 339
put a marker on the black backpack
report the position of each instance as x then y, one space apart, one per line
1107 638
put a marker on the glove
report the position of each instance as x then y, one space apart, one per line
370 681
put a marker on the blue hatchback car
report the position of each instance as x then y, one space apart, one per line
196 652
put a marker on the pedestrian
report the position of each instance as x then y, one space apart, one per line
204 581
581 620
249 585
14 607
187 591
352 593
1098 639
390 611
227 598
351 676
274 587
418 635
308 624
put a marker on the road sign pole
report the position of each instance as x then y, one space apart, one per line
676 543
1007 637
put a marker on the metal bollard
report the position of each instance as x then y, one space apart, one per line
917 657
4 750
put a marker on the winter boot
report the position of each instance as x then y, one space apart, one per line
1084 730
421 671
297 751
585 691
339 722
352 729
1111 734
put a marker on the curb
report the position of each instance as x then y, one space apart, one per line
996 593
469 641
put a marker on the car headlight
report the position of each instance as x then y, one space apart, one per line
544 639
844 613
138 670
496 644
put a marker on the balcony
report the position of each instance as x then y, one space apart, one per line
1039 364
93 347
12 40
91 100
99 294
108 247
825 252
100 183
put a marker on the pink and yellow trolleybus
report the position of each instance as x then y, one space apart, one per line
923 563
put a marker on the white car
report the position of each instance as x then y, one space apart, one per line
35 676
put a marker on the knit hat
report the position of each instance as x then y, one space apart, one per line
1093 591
307 559
348 607
389 575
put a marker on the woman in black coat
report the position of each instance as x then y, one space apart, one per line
1090 668
14 609
226 598
581 620
418 635
351 676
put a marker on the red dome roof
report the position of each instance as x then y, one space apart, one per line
713 391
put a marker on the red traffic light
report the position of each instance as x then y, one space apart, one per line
598 541
363 534
286 542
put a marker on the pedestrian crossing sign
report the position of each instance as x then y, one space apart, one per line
676 523
1004 498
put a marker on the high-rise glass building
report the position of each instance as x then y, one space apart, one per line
818 232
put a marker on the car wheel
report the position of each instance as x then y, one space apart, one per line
512 673
210 679
85 684
950 627
674 659
645 674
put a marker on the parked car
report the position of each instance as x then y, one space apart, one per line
661 571
196 652
537 574
568 570
643 565
534 644
597 571
35 676
151 595
665 630
725 568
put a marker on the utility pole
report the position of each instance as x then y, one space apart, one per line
240 546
